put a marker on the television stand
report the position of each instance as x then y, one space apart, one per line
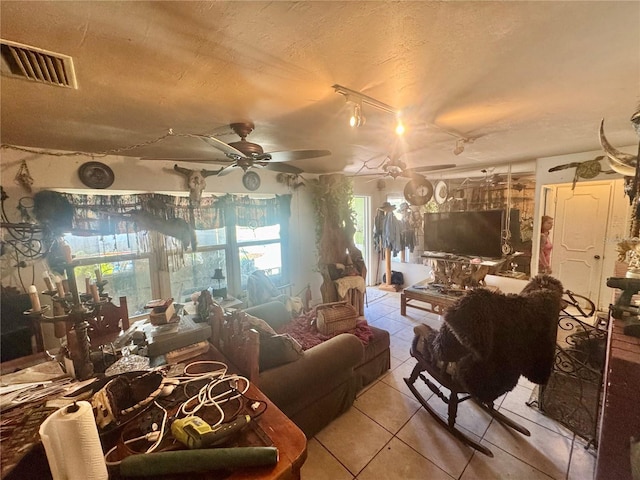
463 271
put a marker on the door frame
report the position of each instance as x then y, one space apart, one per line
617 228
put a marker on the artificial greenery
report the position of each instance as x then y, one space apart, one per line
332 197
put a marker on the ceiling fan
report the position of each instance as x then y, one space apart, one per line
243 155
394 167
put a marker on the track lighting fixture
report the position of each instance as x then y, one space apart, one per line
356 119
357 99
459 147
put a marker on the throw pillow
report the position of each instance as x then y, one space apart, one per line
277 350
249 321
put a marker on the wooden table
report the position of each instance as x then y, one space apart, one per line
280 430
430 300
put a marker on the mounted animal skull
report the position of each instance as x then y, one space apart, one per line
195 181
623 163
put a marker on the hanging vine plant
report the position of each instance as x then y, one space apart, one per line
332 197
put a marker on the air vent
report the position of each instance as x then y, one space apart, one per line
35 64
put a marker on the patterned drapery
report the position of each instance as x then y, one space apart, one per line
108 214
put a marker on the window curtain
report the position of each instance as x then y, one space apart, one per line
109 214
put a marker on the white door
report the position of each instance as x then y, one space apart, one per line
579 231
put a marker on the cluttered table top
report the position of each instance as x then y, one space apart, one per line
195 417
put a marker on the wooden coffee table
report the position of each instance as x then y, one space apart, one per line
426 299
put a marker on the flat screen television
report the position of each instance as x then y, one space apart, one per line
476 234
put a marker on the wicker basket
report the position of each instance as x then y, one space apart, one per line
337 317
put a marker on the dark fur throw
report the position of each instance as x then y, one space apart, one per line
494 338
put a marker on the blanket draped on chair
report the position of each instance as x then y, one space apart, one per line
494 338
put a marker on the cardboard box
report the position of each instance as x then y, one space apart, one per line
162 315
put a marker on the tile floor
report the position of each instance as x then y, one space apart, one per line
388 435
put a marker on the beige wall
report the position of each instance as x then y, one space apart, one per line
617 222
61 173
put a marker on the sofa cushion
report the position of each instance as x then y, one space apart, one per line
276 350
274 313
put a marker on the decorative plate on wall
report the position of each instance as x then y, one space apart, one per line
251 180
96 175
440 192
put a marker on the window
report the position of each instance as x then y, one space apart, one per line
235 234
199 266
259 249
126 272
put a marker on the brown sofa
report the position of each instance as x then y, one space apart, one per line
321 383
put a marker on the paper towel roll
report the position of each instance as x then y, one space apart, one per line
71 441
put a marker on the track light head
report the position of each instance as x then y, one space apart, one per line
356 119
459 146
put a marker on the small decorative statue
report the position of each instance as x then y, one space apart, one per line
205 303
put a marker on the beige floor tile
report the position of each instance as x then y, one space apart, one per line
321 465
427 437
583 462
523 382
516 402
354 439
395 378
470 416
434 321
545 450
400 348
374 313
409 319
367 388
398 461
405 333
387 406
387 324
395 362
500 466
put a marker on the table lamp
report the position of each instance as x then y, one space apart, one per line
220 291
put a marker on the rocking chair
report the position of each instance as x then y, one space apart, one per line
458 394
487 341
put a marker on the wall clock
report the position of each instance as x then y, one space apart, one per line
418 191
96 175
251 180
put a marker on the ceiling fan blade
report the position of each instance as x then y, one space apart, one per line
228 170
289 155
221 161
228 150
283 167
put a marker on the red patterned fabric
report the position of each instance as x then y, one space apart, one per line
304 330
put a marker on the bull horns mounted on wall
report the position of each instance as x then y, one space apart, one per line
195 181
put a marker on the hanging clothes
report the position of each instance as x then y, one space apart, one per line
392 233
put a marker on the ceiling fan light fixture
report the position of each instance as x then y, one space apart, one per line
399 128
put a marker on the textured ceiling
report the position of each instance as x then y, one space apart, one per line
524 79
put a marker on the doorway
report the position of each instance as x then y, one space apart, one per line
581 220
361 206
